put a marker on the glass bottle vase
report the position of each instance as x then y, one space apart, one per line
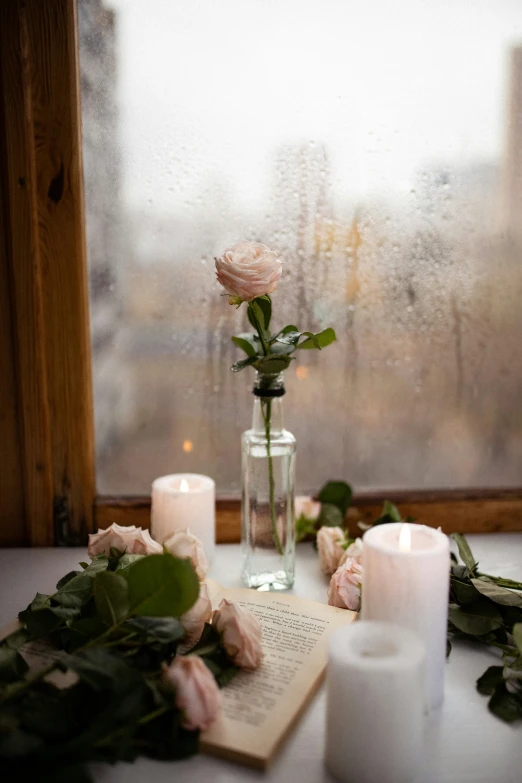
268 481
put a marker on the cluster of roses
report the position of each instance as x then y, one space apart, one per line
339 558
195 690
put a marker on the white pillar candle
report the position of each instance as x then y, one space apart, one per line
181 501
375 704
406 581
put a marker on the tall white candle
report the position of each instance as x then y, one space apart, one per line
181 501
406 581
375 704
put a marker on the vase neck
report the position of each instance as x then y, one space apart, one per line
268 391
268 410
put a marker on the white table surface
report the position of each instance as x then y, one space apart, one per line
464 743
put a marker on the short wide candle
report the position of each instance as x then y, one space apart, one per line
406 581
375 704
181 501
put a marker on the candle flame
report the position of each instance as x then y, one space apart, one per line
184 485
405 538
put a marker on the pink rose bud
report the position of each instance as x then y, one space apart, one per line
240 632
196 694
132 540
345 586
186 546
194 620
307 507
329 547
354 551
248 270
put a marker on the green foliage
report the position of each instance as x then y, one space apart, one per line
12 665
116 622
390 513
271 354
321 340
238 366
487 684
338 494
272 364
111 597
484 610
330 516
247 343
162 586
465 553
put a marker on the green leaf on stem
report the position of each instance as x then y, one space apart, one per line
17 639
40 601
305 527
127 560
82 631
330 516
238 366
265 305
271 365
157 629
322 340
162 586
67 578
465 552
497 594
462 592
505 705
102 669
390 513
12 665
337 493
40 623
285 330
281 349
111 597
256 316
476 619
76 592
97 564
517 636
492 677
66 613
246 345
290 338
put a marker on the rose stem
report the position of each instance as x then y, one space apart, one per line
271 484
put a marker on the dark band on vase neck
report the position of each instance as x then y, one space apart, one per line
269 393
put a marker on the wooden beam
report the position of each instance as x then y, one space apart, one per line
39 63
11 483
474 511
19 184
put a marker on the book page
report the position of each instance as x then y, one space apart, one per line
260 708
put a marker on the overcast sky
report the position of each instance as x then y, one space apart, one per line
209 90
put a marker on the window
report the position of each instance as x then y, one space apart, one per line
377 147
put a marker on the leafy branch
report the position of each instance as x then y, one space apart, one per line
113 625
486 611
272 354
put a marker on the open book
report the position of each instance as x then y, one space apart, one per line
260 708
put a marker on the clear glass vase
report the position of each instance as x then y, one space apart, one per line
268 481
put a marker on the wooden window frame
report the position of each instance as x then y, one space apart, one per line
47 474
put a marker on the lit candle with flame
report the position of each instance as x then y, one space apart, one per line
181 502
405 538
406 581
